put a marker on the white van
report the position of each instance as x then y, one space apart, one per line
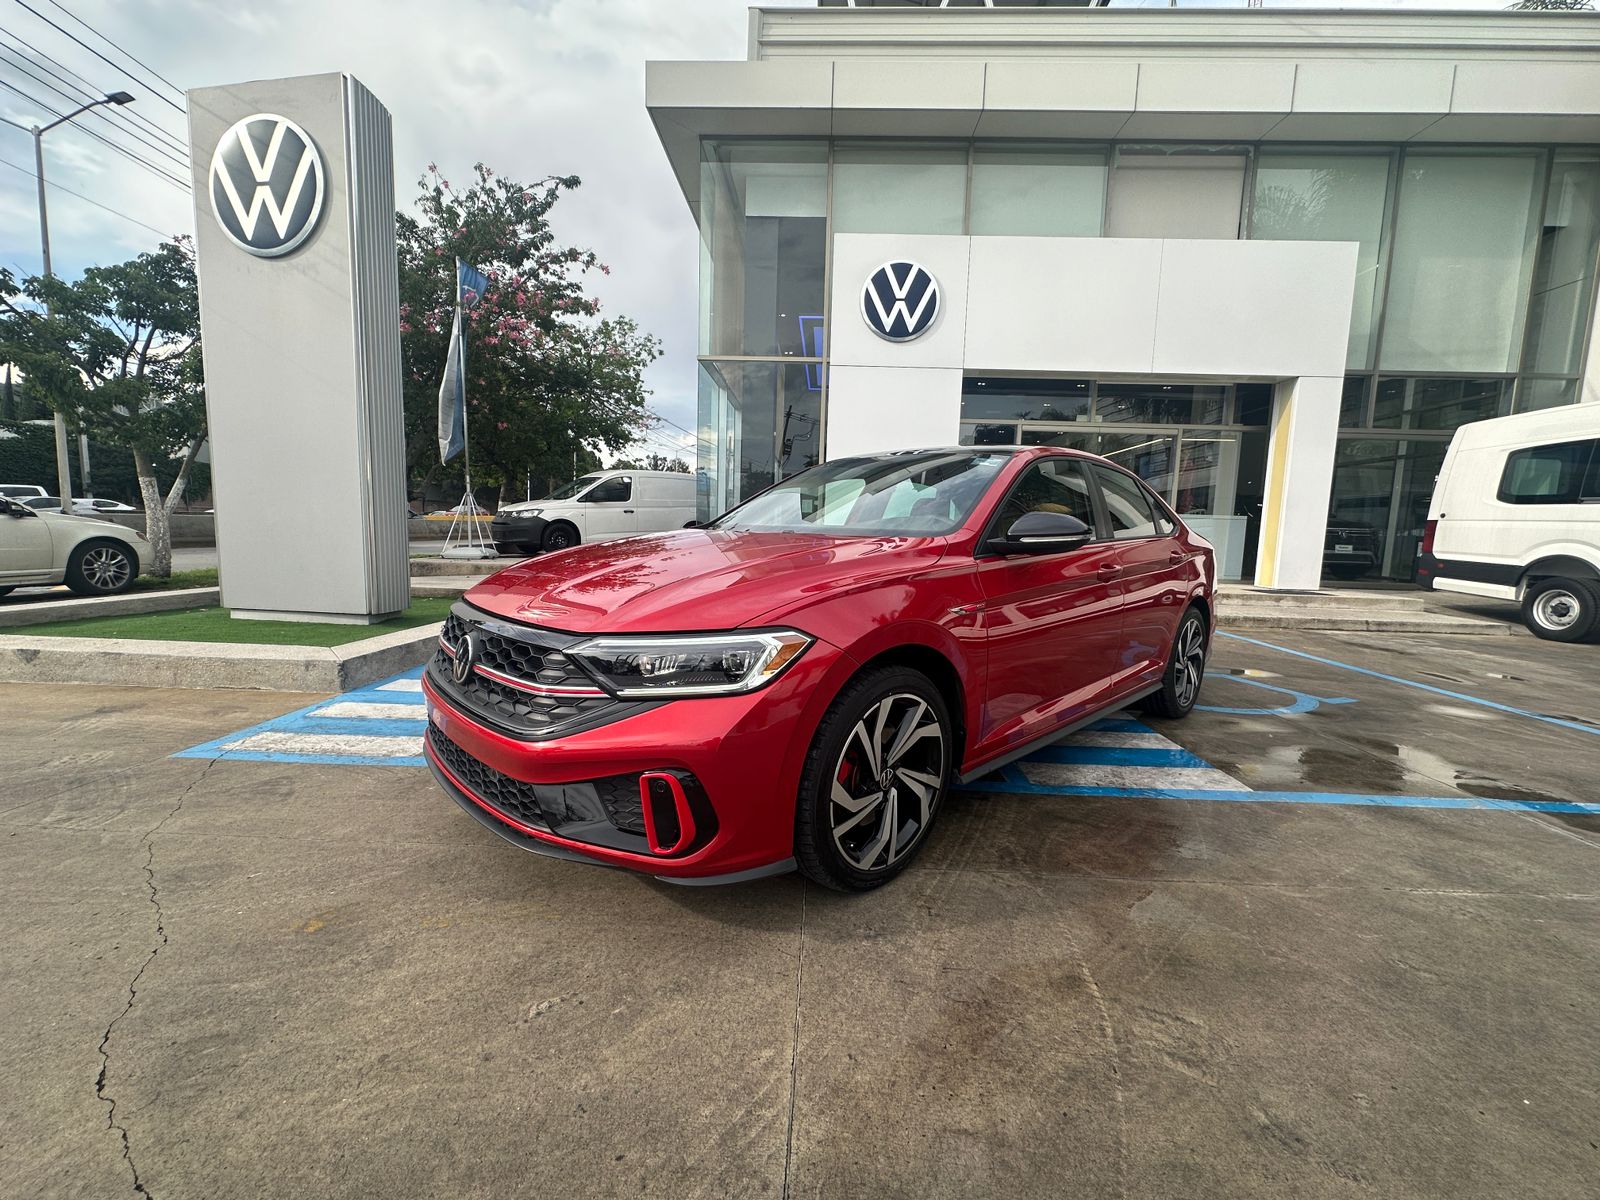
1516 516
596 508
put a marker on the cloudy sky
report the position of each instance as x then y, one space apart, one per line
531 87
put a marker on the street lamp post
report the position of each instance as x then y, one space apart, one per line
63 470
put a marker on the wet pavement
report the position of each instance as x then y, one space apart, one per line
264 978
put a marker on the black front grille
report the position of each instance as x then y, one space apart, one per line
534 657
511 796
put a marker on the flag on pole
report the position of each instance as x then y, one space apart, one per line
471 284
453 397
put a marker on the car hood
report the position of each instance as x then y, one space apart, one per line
692 579
79 524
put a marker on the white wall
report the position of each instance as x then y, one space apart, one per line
1099 307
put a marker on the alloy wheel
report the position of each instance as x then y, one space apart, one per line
106 568
887 782
1190 662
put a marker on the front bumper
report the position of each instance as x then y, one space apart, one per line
514 530
744 754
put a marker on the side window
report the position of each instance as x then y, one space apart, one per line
1551 474
1130 511
616 490
1056 485
1591 481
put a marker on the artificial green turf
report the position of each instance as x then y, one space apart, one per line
199 578
215 625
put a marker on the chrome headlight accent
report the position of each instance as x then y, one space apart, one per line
665 665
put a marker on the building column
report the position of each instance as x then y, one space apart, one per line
1300 451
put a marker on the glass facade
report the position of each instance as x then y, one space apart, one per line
1475 292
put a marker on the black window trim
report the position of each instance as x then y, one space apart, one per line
991 527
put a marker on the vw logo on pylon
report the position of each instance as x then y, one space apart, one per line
900 301
266 184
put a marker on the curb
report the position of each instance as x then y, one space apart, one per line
123 661
41 612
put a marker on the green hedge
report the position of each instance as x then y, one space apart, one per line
28 455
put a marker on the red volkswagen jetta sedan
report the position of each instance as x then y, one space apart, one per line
798 683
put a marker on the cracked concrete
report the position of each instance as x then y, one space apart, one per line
361 994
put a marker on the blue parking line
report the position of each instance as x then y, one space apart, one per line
353 726
1423 687
1117 756
322 760
1118 725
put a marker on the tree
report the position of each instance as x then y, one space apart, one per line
652 462
549 381
119 351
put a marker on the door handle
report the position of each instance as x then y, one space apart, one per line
1108 570
627 510
1176 557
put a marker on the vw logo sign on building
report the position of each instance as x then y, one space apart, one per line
266 184
900 301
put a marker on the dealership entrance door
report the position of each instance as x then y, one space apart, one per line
1201 446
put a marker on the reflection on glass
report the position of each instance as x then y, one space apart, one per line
1207 470
1563 279
1353 402
1546 393
1329 198
1149 456
1463 252
763 243
758 422
1439 403
1069 438
890 189
1381 492
1038 190
999 398
1160 403
988 435
1252 404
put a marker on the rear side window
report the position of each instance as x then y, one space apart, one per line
1132 515
613 491
1553 474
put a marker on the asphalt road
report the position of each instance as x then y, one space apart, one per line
239 978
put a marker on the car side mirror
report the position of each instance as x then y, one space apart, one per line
1042 533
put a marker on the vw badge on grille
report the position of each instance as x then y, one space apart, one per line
465 649
899 301
266 163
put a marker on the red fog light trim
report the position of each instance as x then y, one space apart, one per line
680 804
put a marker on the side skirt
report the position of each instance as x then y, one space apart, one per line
1055 735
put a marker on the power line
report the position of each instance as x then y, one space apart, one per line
61 188
128 54
39 58
121 70
7 54
153 168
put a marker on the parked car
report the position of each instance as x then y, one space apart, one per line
1350 550
39 547
43 503
88 506
20 491
1516 516
596 508
799 682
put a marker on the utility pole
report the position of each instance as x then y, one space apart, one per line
63 467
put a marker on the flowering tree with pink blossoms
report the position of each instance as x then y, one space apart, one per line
549 380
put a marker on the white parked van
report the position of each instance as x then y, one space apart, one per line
596 508
1516 516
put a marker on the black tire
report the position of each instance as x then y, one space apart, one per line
558 537
1346 571
102 567
908 794
1186 670
1561 610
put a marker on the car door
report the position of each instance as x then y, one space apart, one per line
1153 568
1051 621
609 510
27 551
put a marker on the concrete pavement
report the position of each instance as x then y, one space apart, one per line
324 980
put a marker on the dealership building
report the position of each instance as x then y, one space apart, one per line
1267 259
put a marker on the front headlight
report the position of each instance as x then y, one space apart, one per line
518 510
722 664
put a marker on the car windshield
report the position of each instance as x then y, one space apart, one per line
901 495
572 489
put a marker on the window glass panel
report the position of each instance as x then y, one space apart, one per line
1353 402
1069 438
884 189
1130 512
1160 403
1208 468
612 491
763 242
1038 191
1591 481
1184 192
1329 198
1252 403
1439 403
1563 279
1055 486
988 435
1545 474
998 398
1381 492
1462 257
1149 456
1546 393
758 423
